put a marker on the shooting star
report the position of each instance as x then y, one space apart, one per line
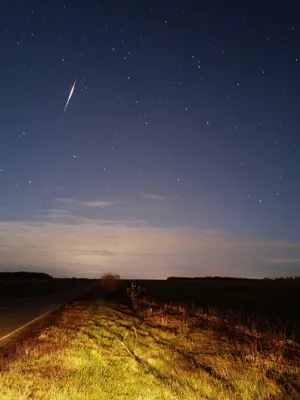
70 95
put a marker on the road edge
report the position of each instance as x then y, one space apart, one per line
4 340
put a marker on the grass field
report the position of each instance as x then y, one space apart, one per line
100 349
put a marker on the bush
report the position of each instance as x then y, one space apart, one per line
110 283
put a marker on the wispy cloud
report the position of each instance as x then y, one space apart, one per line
281 244
284 260
57 214
99 203
68 201
71 203
152 196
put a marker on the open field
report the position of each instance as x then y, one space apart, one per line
267 304
100 349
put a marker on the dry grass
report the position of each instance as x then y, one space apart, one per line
101 350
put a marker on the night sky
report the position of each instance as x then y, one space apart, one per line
179 151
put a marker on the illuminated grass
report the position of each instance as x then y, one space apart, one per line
103 351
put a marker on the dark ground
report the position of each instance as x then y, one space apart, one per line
264 303
36 286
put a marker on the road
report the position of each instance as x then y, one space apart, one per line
15 313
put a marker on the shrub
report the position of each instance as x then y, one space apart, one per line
110 283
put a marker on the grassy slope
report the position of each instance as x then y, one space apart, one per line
101 350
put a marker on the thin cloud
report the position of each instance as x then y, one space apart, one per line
98 204
68 201
291 245
57 214
72 203
152 196
81 246
284 260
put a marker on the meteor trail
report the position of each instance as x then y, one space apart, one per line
70 95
